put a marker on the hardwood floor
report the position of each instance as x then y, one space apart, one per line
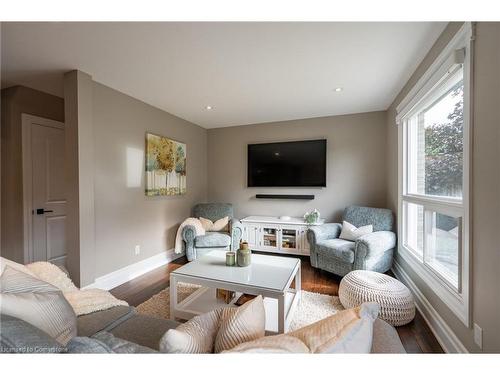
416 336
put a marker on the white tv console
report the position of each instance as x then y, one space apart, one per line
275 235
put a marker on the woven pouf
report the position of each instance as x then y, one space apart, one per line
396 302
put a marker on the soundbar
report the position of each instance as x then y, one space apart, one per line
285 196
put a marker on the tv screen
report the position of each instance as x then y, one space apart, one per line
287 164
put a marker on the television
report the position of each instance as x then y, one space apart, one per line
287 164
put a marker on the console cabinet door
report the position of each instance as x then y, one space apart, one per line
252 235
290 238
269 237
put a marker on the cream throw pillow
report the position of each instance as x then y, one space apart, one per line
217 330
348 331
38 303
351 233
221 225
245 323
17 266
279 344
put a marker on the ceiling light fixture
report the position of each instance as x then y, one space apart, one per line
208 107
338 89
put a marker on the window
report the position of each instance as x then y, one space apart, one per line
434 176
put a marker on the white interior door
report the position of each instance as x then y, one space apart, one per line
45 173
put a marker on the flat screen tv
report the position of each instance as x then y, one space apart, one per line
287 164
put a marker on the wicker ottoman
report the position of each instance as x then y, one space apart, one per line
396 302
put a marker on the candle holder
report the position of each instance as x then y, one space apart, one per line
230 258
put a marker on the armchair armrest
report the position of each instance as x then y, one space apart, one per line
188 235
236 233
373 245
323 232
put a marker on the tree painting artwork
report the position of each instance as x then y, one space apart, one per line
165 166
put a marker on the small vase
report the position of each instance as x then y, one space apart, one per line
244 255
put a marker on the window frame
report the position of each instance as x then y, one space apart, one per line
428 87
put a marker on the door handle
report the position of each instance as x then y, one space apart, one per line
41 211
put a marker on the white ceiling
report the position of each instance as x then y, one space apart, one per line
249 72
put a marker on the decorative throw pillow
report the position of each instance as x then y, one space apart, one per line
217 330
196 336
272 344
221 225
38 303
348 331
351 233
246 323
17 266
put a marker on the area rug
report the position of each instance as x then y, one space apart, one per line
312 307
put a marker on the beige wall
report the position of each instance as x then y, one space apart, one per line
485 186
355 161
15 101
124 216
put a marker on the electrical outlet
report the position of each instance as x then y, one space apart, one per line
137 249
478 335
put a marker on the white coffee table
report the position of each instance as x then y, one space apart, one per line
269 276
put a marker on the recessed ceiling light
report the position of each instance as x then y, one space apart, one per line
208 107
338 89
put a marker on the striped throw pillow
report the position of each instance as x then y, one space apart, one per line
217 330
38 303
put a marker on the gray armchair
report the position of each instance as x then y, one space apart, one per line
199 245
373 251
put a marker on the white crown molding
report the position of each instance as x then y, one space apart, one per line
130 272
443 333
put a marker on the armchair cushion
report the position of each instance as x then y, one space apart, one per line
213 239
336 249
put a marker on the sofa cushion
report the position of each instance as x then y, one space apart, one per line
105 320
87 345
336 249
105 342
38 303
213 239
18 336
144 330
386 339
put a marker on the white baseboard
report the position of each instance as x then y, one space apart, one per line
443 333
113 279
